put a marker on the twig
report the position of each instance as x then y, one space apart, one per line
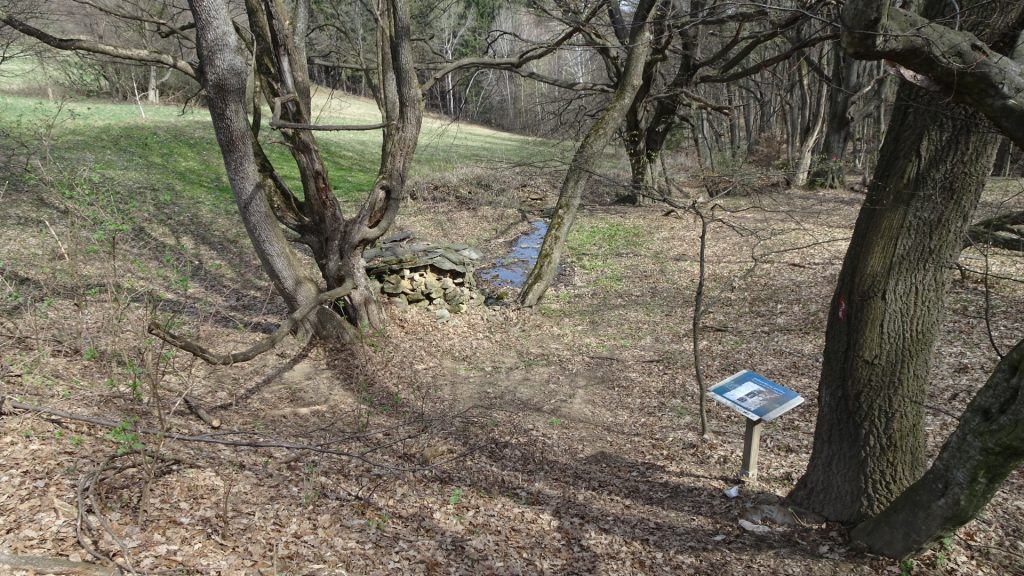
260 347
214 439
98 511
698 314
988 309
59 243
199 411
251 391
276 122
83 519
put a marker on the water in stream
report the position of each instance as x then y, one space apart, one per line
511 271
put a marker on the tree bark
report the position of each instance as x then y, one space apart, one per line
847 78
811 124
224 73
869 439
968 63
586 157
987 445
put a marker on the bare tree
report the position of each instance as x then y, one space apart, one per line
868 456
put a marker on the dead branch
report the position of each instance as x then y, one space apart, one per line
260 347
1001 231
87 497
51 565
81 45
220 440
200 412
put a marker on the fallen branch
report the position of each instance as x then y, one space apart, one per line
200 412
260 347
1000 231
219 439
50 565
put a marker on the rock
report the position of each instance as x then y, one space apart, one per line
751 527
445 264
398 237
431 283
442 314
471 253
398 302
454 297
427 275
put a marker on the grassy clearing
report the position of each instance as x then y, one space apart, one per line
598 246
577 451
172 152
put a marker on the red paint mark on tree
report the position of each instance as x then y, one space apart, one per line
842 310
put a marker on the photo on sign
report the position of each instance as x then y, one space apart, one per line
755 396
752 396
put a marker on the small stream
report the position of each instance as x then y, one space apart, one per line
511 271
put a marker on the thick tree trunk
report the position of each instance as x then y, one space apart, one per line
987 445
585 159
224 78
869 440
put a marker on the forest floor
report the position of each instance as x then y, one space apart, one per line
562 439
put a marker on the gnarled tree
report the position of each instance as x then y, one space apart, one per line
869 440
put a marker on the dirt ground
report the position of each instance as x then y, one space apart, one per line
558 440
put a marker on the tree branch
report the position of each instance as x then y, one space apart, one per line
276 121
81 45
959 61
260 347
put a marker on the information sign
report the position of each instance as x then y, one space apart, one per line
755 396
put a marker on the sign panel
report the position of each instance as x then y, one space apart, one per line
755 396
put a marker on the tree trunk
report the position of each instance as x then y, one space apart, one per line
337 242
987 445
812 120
585 159
808 141
153 89
1003 158
869 439
847 79
224 78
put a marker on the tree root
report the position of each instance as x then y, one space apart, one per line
260 347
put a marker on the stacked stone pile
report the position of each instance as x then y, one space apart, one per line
419 274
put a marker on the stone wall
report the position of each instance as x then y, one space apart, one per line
439 278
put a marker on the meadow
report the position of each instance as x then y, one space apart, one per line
556 440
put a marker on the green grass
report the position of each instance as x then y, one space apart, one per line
596 245
170 155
